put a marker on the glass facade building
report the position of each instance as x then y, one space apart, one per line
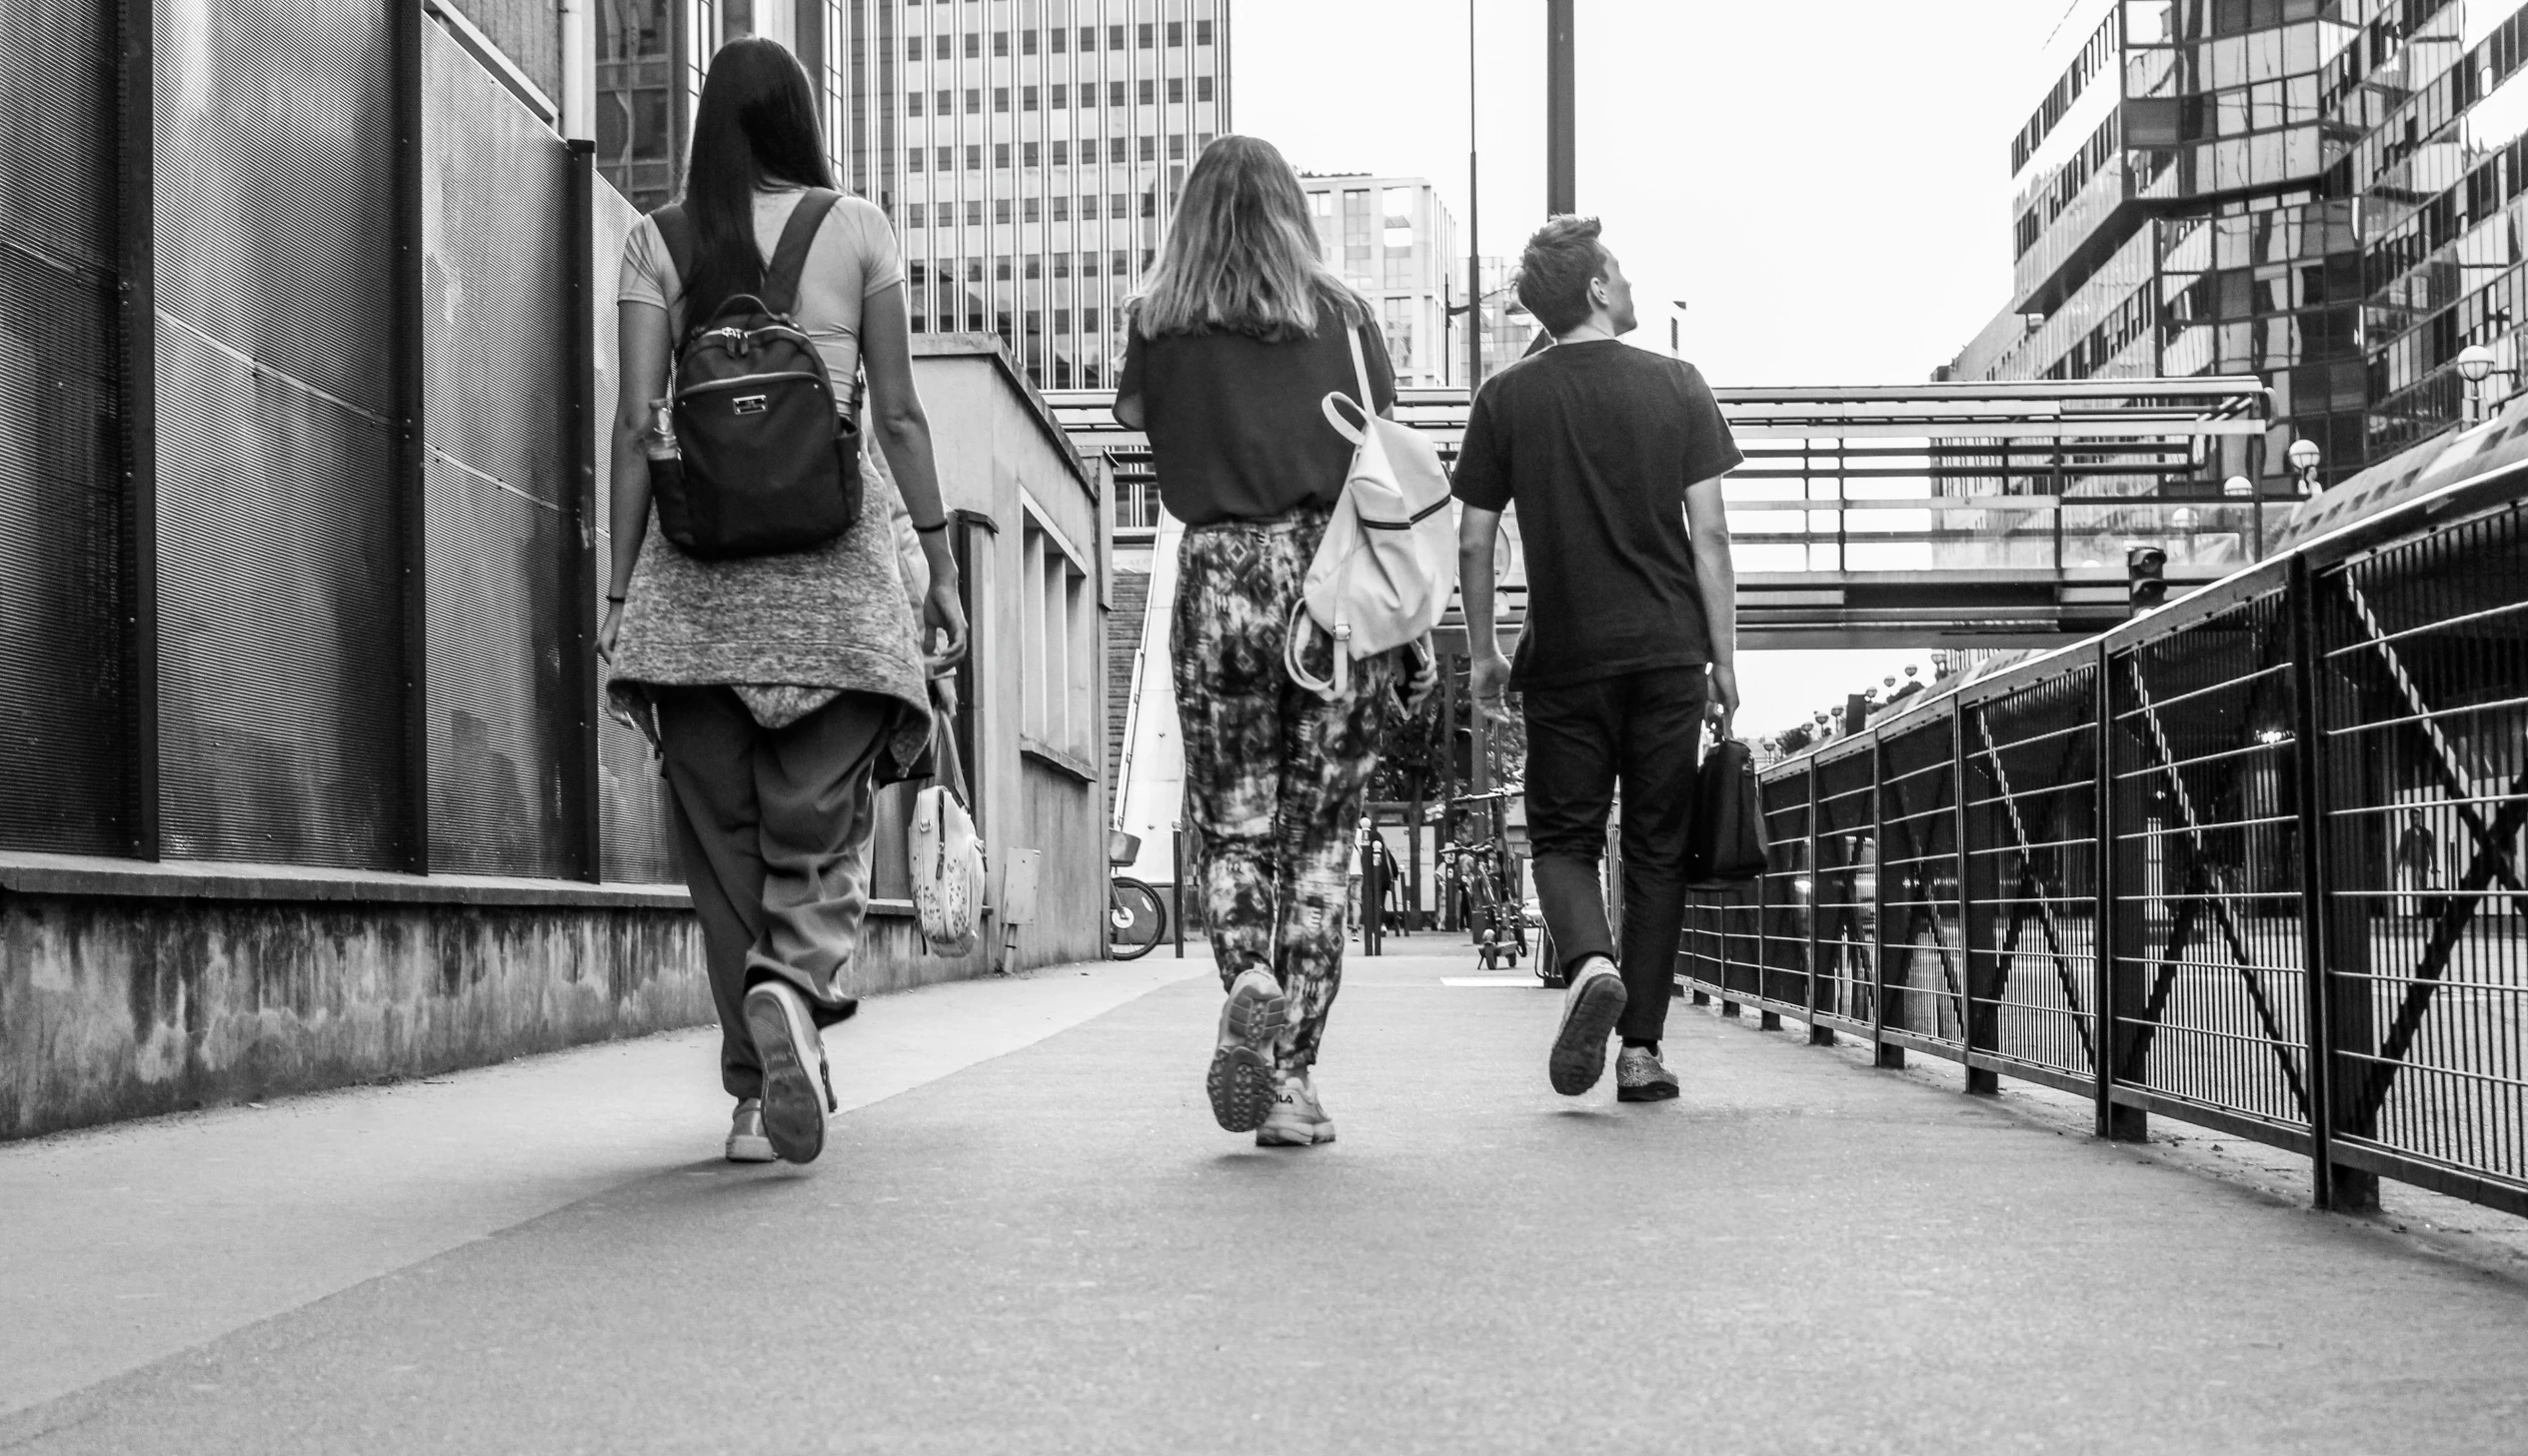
1390 238
2317 192
1030 152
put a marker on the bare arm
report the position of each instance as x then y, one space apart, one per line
1708 518
903 432
641 374
1488 670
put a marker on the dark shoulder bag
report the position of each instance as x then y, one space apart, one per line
1725 845
763 461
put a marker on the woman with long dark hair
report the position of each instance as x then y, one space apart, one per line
785 686
1239 337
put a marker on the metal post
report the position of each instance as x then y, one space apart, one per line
2115 1124
411 457
1175 884
2347 1189
582 572
136 401
1981 1031
1561 125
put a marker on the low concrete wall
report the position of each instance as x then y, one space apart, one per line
128 990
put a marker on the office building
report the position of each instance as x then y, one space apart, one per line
1030 150
1390 238
2323 193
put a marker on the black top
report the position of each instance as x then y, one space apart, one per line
1237 428
1597 442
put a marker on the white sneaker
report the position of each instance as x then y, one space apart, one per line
1297 1119
1591 1008
796 1090
1241 1081
747 1142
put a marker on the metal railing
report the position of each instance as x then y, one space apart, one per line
2257 861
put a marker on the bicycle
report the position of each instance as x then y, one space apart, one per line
1498 924
1135 916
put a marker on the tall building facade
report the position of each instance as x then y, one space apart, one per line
2323 193
1030 152
1390 238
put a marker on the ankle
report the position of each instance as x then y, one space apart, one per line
1631 1042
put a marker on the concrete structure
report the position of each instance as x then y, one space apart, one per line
1392 239
1027 1235
1030 152
2322 195
309 783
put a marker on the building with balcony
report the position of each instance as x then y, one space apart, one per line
2320 193
1030 150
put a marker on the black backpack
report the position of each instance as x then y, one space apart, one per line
764 462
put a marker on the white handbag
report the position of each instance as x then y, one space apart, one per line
1383 575
948 857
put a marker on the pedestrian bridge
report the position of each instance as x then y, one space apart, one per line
1982 515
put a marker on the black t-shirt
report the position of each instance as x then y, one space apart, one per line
1237 426
1596 443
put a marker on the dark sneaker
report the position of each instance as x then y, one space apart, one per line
1591 1008
797 1091
1297 1119
1641 1078
1241 1081
747 1142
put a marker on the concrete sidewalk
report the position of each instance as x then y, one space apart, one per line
1045 1245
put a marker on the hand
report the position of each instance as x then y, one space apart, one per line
608 631
1723 705
1488 680
1417 689
944 616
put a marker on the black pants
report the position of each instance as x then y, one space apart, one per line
1644 730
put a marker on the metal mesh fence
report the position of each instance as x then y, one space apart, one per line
2121 868
1921 972
2423 710
64 683
2032 871
2209 992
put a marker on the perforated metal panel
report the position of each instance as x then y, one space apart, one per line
281 671
63 687
496 364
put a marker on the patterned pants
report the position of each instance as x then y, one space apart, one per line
1273 774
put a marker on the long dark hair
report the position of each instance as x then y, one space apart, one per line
756 125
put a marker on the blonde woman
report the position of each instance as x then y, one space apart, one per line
1239 337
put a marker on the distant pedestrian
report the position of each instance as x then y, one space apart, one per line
785 686
1241 333
1615 458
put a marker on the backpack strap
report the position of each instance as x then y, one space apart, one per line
789 260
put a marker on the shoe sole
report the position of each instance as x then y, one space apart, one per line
1580 1048
751 1151
1656 1092
793 1104
1241 1081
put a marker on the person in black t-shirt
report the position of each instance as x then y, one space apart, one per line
1239 336
1613 457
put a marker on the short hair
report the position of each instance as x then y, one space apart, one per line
1561 260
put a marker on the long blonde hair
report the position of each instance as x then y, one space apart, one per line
1241 255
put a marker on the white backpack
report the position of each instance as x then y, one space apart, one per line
948 858
1383 574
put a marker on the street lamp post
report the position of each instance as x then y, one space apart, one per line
2305 456
2476 364
1473 228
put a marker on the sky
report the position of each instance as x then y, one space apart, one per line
1824 183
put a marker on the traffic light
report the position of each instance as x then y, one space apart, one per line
2146 576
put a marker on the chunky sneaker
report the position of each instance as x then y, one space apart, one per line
1591 1008
1241 1080
747 1142
798 1092
1297 1119
1641 1078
